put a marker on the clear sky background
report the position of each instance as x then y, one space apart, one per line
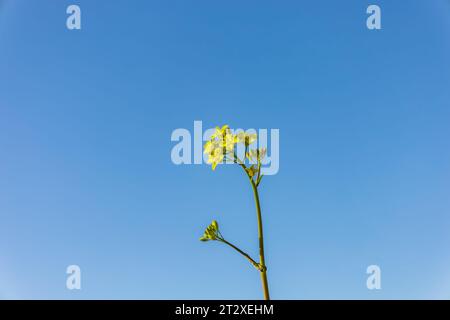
86 176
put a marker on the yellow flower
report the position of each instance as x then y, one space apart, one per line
221 144
220 132
228 142
216 157
210 146
246 139
214 150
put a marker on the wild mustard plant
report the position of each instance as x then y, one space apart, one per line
220 148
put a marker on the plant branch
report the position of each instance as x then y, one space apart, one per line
253 262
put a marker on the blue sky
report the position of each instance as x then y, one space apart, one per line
86 176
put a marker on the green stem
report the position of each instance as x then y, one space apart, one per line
262 261
253 262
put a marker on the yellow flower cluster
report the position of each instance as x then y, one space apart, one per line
222 144
212 232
